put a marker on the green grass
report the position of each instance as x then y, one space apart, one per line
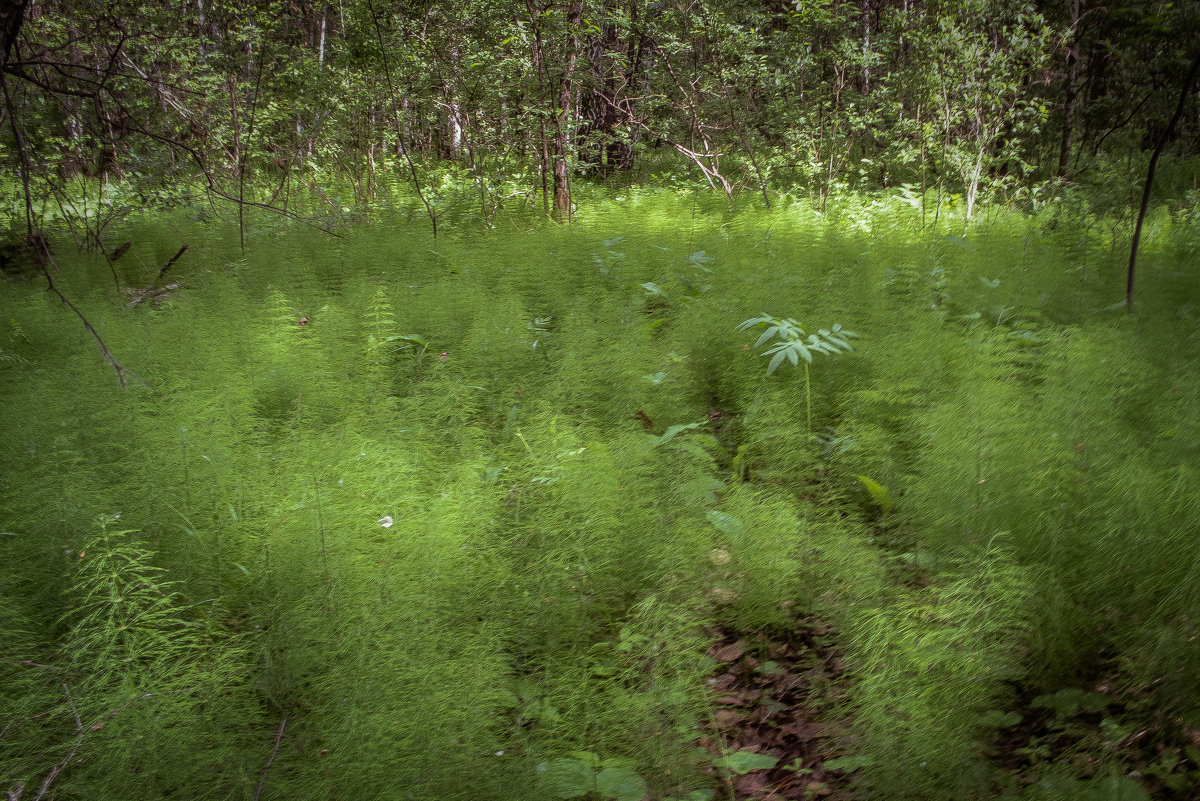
551 572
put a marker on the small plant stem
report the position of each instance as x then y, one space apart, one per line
71 703
186 480
807 401
724 751
321 529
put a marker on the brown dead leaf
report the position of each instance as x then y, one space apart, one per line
751 783
725 682
731 652
727 717
803 730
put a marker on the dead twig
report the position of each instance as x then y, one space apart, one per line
97 724
28 663
262 779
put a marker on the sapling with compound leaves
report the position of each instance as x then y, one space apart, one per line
794 344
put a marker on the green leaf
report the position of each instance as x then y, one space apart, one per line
1115 732
775 362
848 764
765 319
740 762
998 719
589 758
1118 788
1071 701
672 431
569 778
880 495
620 784
767 335
726 524
411 339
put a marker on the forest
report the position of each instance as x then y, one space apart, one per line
614 400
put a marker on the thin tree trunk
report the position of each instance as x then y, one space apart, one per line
866 70
537 55
1158 148
1071 95
238 161
637 79
404 148
562 143
924 168
321 46
758 173
945 145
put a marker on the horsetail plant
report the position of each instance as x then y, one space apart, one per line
794 346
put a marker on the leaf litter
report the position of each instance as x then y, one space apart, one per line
779 696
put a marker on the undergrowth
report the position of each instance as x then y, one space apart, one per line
397 517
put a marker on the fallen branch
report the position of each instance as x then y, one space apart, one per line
28 663
97 724
154 294
170 262
271 760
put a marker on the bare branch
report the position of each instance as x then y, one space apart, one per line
262 779
170 262
28 663
45 259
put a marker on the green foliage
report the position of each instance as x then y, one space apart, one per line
585 774
738 762
469 528
879 494
464 112
792 344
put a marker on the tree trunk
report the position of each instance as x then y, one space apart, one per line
597 99
641 70
12 14
321 45
1070 93
537 56
1184 91
562 117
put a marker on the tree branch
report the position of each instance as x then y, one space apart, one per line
1184 91
262 779
45 259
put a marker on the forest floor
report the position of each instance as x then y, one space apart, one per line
778 696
